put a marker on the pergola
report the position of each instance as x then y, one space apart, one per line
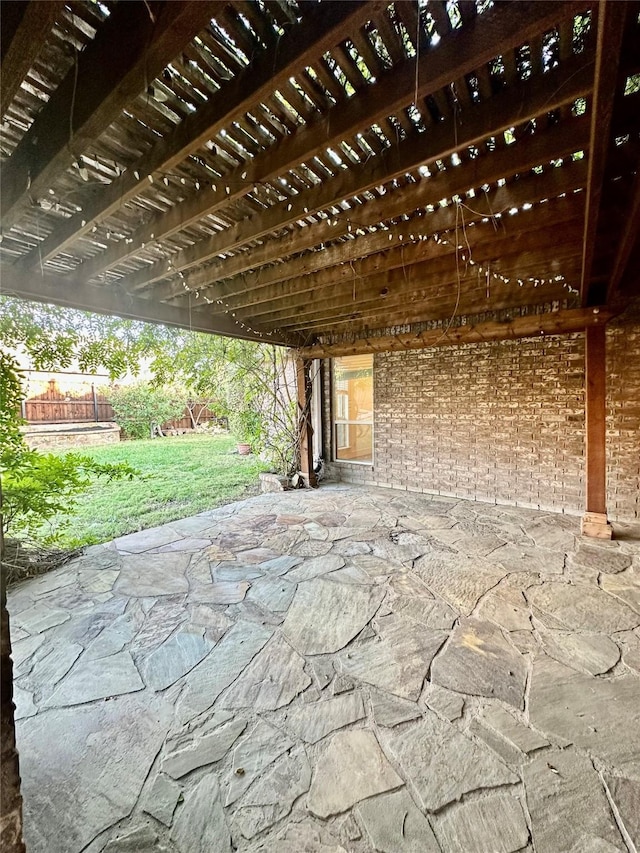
336 177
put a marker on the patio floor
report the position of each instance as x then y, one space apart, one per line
335 670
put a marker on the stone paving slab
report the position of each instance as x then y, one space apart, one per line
334 671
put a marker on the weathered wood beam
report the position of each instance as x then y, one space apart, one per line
422 267
629 238
25 28
339 122
611 20
556 142
72 293
532 325
318 32
271 282
524 102
594 521
130 48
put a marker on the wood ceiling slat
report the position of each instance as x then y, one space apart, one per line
563 83
108 300
437 301
106 81
26 26
437 263
390 255
403 157
311 38
527 189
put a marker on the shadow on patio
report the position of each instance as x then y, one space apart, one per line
334 670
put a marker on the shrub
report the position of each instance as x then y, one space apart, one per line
141 407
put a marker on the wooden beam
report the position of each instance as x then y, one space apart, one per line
594 522
71 293
130 49
436 299
318 32
25 28
532 325
628 240
271 282
558 141
305 430
611 20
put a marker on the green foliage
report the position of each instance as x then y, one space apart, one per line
243 380
140 407
11 441
40 485
53 337
249 382
36 486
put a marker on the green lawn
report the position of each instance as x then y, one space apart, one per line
181 476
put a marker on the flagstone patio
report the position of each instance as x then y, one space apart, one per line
335 670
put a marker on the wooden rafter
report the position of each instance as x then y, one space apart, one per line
460 54
489 119
611 19
627 241
392 288
316 34
559 87
96 90
333 167
527 228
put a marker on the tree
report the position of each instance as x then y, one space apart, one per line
54 337
251 383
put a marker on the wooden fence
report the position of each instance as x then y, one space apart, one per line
54 406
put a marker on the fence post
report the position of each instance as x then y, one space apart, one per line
95 403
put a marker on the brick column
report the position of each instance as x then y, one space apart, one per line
594 521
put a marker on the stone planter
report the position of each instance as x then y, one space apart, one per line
244 449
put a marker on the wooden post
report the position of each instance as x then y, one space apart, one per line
594 521
305 430
95 403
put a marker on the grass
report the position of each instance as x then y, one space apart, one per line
181 476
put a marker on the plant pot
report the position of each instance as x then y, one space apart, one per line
244 449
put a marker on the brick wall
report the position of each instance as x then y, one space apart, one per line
503 422
623 415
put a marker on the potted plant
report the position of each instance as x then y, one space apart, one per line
246 425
